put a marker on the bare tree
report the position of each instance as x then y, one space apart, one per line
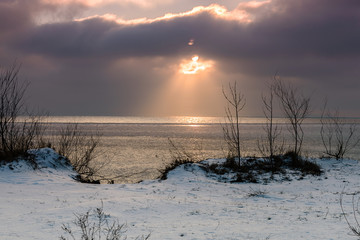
17 134
270 146
296 108
231 128
11 103
336 139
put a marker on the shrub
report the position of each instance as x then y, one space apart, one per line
303 165
256 192
248 177
179 156
231 164
354 227
253 168
96 225
171 166
293 156
307 167
80 149
338 136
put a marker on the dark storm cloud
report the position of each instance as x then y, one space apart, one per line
19 17
325 28
13 17
314 42
320 28
98 37
73 39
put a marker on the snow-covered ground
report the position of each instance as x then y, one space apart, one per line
188 205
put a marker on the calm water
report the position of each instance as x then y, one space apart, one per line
136 147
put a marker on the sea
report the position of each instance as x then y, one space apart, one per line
134 149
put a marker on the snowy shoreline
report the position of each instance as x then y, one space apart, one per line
188 205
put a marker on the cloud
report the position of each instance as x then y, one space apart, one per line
214 9
96 3
311 42
302 28
13 18
110 36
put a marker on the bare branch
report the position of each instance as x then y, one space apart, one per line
231 128
270 146
80 149
355 228
338 136
296 108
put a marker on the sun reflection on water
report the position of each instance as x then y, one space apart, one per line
193 121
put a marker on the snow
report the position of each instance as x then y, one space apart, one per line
188 205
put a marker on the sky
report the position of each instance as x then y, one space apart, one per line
172 57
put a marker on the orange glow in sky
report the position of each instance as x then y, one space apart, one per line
194 66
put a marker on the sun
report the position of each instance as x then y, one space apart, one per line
194 66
